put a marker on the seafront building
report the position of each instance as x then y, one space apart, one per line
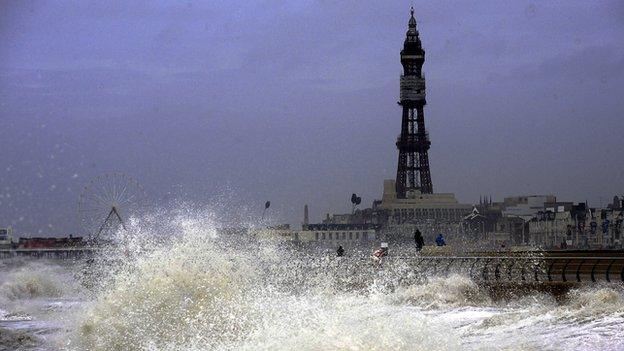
281 232
332 235
526 207
6 238
321 235
7 241
50 243
565 225
547 223
418 207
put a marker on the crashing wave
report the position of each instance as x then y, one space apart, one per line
442 292
202 292
35 280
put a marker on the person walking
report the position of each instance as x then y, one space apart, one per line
340 251
440 240
418 240
379 254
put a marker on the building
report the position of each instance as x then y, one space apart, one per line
413 175
359 216
508 222
281 232
441 207
617 203
332 235
6 237
564 225
526 207
328 235
50 243
340 218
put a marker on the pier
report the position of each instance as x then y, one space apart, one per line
52 253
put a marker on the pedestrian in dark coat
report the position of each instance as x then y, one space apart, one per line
419 240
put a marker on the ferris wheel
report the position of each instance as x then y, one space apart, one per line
107 202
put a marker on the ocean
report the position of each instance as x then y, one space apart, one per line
197 291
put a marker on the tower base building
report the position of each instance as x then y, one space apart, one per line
440 207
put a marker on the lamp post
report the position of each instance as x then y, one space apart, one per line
266 207
355 200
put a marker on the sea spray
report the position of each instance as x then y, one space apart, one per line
17 340
345 321
32 295
190 291
199 291
590 302
35 279
590 315
441 292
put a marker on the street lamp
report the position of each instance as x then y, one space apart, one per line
266 207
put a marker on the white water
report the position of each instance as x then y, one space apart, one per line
199 292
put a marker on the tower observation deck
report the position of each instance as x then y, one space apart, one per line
413 174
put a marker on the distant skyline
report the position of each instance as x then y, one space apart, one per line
231 104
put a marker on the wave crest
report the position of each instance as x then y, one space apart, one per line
36 280
593 302
439 292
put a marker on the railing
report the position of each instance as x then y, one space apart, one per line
528 269
483 268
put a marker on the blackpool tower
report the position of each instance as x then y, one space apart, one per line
413 175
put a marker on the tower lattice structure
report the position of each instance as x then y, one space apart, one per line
413 174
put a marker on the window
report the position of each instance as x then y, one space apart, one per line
330 236
317 236
365 236
357 236
350 236
323 236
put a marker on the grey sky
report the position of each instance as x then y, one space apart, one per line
295 101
